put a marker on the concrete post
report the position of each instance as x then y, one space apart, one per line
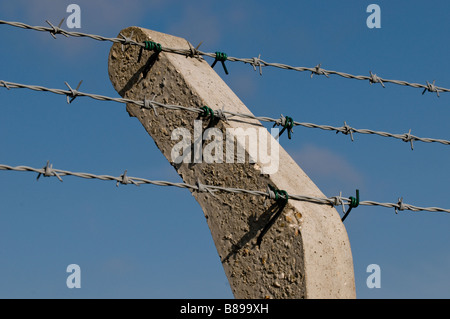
306 253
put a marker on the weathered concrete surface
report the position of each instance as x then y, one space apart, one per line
306 253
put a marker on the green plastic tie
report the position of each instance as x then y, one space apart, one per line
222 57
282 201
207 112
354 202
278 192
287 125
152 46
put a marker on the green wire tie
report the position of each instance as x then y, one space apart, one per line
222 57
278 192
282 201
354 202
288 125
152 46
207 112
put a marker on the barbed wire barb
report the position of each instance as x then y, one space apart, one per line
319 71
400 206
73 93
48 172
56 30
151 104
375 79
431 87
409 138
346 130
126 40
194 52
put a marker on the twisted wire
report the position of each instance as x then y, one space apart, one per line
255 62
223 114
49 171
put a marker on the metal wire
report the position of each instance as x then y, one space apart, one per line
71 94
49 171
255 62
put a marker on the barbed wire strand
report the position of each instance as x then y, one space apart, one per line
49 171
255 62
71 94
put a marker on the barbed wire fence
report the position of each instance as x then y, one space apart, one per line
285 121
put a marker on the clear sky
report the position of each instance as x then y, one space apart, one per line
153 242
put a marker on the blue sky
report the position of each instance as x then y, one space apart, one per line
153 242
